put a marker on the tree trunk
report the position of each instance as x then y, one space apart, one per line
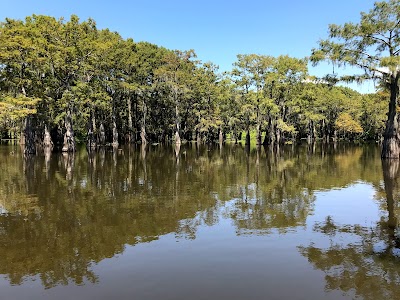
310 132
258 142
91 136
198 137
47 142
114 122
38 141
130 123
69 138
271 131
325 134
221 137
143 135
102 135
258 137
265 142
314 131
115 133
177 150
235 134
22 135
390 146
247 142
29 136
277 135
143 125
177 137
177 125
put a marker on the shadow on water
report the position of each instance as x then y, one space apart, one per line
81 209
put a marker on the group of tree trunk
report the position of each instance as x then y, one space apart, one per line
65 82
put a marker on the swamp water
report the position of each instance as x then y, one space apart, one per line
304 222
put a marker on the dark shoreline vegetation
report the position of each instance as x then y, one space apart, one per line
63 82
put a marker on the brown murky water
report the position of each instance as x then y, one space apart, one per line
200 223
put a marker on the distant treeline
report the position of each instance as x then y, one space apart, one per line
63 82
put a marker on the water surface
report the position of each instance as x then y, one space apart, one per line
300 222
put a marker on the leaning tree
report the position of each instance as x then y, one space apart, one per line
373 45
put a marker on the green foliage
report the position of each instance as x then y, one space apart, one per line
346 123
372 45
69 67
17 108
373 115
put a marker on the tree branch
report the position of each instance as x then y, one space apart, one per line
367 56
370 68
379 39
394 27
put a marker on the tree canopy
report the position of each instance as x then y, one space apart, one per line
66 81
373 45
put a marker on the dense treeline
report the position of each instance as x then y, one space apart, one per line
62 82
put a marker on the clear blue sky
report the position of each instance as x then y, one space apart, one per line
217 30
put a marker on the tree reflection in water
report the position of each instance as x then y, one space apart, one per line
63 214
369 265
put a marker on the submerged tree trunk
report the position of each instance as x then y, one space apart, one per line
235 134
277 135
22 134
177 137
265 142
114 133
390 146
259 137
247 142
335 135
114 123
38 141
69 138
143 135
311 132
92 133
177 150
271 131
324 131
130 137
68 165
29 136
177 126
198 137
102 135
221 137
47 142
